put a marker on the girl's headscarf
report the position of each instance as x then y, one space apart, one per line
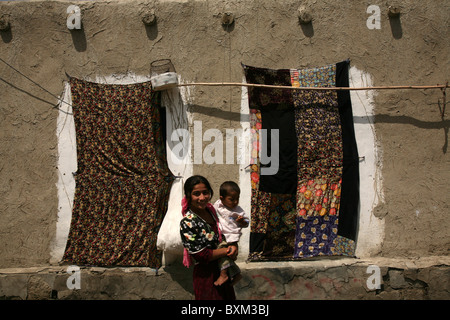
187 259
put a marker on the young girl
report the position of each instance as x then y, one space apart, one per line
201 236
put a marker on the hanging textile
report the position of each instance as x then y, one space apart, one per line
317 184
122 181
272 229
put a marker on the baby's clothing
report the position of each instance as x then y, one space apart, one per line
227 219
232 233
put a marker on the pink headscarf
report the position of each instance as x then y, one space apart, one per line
187 259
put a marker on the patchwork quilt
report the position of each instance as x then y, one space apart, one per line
309 207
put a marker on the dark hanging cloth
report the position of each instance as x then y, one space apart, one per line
275 106
310 207
348 217
122 181
272 232
281 118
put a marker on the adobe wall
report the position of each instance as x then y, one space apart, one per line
408 203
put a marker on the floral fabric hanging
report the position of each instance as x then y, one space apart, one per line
122 181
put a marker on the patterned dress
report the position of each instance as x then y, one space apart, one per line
200 239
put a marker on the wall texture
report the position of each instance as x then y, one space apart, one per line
411 136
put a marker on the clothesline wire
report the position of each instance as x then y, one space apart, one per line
34 82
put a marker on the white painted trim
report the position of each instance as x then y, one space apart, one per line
371 229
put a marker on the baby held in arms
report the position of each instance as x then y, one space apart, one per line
232 219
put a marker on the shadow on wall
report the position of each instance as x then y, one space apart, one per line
180 274
79 39
443 124
151 30
396 27
386 118
308 29
5 28
6 35
217 113
379 118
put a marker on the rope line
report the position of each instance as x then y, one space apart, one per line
442 87
224 84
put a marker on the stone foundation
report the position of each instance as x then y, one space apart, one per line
340 278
